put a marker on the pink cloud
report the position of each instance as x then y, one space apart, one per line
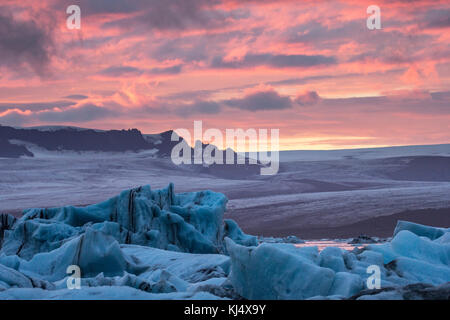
234 63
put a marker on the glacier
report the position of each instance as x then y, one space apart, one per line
156 244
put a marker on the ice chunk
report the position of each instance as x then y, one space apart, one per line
332 257
29 237
163 285
445 239
346 284
420 230
189 222
204 210
421 271
186 266
408 244
269 272
371 257
288 239
385 250
232 231
414 258
13 278
94 252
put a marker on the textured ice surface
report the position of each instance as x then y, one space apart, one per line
420 230
273 271
153 241
155 244
280 271
189 222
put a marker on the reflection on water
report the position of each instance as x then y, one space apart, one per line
322 244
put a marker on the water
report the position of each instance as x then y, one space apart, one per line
322 244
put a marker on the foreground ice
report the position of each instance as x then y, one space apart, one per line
152 241
189 222
155 244
416 254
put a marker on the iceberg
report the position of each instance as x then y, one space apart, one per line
416 255
420 230
272 271
156 241
189 222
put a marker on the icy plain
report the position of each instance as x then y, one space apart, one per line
315 194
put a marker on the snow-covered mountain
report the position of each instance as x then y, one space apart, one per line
62 140
59 138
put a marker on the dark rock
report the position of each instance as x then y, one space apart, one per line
363 239
9 150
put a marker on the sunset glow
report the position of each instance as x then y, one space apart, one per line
311 69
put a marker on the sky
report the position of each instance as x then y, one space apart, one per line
311 69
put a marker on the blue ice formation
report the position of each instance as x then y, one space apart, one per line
416 255
155 244
420 230
142 244
188 222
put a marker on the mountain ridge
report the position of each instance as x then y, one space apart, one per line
59 138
